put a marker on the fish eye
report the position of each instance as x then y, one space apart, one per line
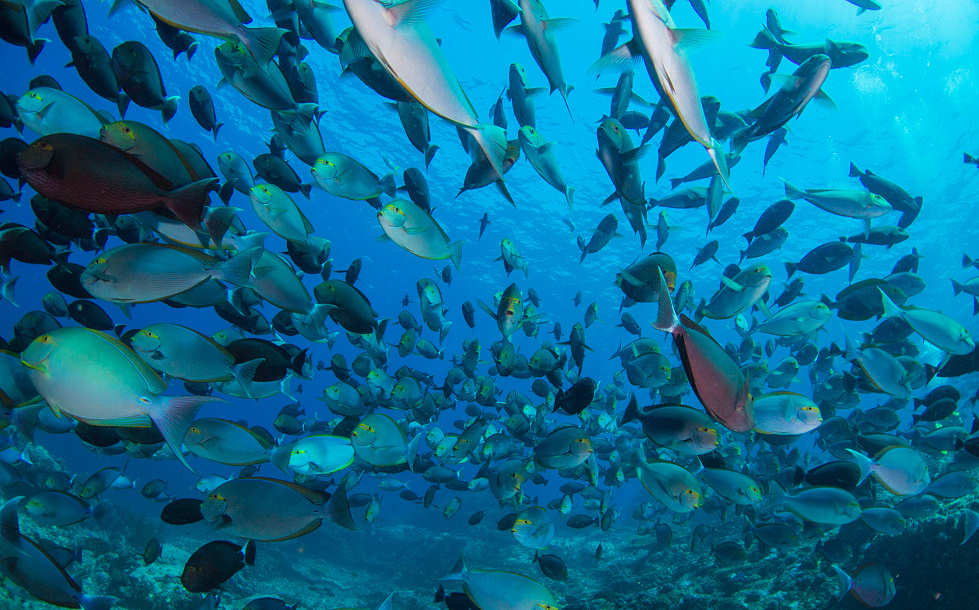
194 430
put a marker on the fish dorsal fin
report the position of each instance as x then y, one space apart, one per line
410 12
312 495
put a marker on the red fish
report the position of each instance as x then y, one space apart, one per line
90 175
714 376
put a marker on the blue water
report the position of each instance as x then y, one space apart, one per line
907 113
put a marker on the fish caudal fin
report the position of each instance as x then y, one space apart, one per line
187 202
792 192
237 269
863 462
456 256
173 415
890 307
666 319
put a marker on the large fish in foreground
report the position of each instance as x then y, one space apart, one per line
97 379
403 44
714 376
656 39
88 174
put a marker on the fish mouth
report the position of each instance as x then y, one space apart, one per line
37 366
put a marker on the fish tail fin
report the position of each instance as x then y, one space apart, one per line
306 189
956 287
791 191
262 43
494 150
173 415
237 269
863 462
244 373
790 268
7 291
459 570
966 261
975 305
225 192
564 95
122 103
279 457
890 307
854 170
187 202
631 411
456 256
34 48
169 108
430 154
967 158
117 5
666 319
844 579
720 162
569 195
216 129
249 550
764 40
96 602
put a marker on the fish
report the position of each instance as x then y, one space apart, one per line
400 40
415 230
33 569
541 157
501 589
46 111
716 378
656 40
224 19
79 387
211 565
268 510
141 273
538 28
85 173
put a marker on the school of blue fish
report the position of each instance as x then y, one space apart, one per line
818 412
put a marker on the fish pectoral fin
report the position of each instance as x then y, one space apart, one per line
826 100
620 58
690 38
414 230
558 23
728 282
411 11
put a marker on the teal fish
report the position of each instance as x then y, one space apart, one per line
98 380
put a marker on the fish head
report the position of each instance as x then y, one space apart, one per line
214 506
118 135
36 355
32 102
581 446
518 76
146 340
690 498
232 53
325 168
706 437
391 215
810 415
966 338
37 156
261 193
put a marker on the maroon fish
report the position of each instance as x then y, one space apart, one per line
90 175
714 376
